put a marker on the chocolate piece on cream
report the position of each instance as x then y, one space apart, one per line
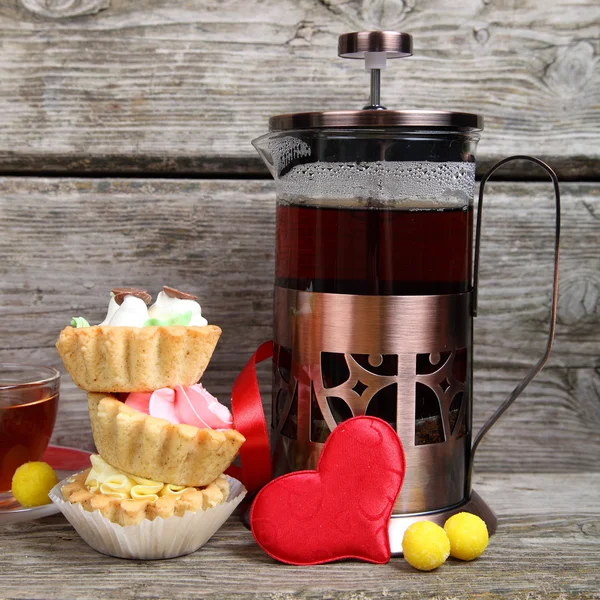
174 293
121 293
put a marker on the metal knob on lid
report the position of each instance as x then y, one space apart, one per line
393 43
375 47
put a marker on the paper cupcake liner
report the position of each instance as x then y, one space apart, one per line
149 540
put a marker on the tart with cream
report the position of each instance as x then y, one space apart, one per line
128 499
182 435
140 348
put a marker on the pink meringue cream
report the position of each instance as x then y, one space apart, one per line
191 405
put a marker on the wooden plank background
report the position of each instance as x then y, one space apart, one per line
67 242
167 87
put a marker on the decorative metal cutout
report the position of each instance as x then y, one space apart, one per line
289 421
438 396
428 416
384 404
455 407
339 409
318 427
284 392
403 359
360 386
334 369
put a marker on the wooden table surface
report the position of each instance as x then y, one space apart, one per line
125 159
547 546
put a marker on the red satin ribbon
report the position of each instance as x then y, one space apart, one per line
249 420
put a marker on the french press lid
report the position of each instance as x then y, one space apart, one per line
375 47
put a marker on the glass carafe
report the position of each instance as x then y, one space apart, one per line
372 280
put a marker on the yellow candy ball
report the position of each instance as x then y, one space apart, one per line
468 535
425 545
32 482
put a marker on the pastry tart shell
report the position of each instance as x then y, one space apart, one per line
157 449
128 511
136 359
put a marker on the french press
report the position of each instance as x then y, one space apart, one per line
375 291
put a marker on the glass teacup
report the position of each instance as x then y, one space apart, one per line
28 406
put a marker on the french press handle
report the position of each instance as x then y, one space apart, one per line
538 367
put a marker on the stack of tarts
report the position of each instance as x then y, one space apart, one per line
156 488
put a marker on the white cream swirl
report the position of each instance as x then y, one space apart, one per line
133 312
166 308
113 307
113 482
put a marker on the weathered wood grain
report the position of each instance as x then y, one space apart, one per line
547 547
171 87
59 9
66 242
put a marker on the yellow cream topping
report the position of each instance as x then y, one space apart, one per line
108 480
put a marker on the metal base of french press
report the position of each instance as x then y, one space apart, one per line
400 523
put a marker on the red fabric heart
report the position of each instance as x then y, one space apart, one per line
342 509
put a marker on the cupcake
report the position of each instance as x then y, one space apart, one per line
156 489
138 348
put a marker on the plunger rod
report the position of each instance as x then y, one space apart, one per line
375 88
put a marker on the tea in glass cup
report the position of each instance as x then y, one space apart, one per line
28 406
